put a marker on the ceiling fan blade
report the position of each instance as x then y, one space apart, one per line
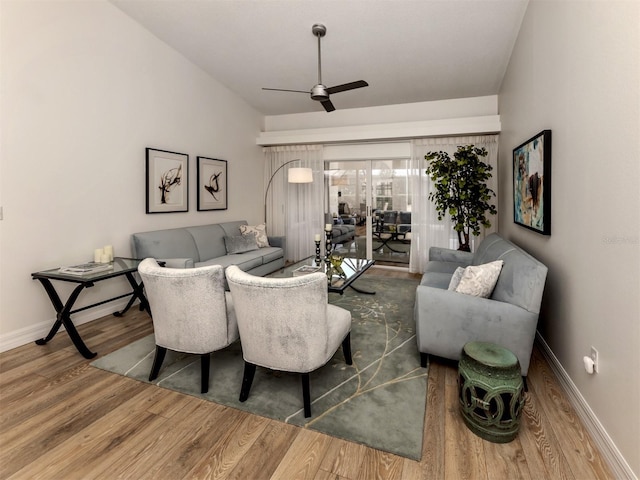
285 90
328 106
347 86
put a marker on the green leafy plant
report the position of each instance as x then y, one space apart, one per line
461 190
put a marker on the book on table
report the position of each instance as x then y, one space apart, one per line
86 268
305 270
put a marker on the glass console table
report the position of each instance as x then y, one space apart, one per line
120 267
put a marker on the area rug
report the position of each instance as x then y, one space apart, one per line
379 401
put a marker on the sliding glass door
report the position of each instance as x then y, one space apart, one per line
373 196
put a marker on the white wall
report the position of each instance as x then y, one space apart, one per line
575 70
85 90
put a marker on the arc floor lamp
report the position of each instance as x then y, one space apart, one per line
295 175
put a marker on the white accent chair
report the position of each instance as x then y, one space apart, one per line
191 312
287 324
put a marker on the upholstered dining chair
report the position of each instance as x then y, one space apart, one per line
191 312
287 324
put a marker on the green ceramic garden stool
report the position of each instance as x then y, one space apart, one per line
491 391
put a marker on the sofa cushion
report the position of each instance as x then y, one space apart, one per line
491 249
232 228
245 261
436 280
163 244
260 232
442 267
209 240
241 243
480 280
269 254
520 280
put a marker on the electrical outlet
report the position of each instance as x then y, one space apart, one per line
594 357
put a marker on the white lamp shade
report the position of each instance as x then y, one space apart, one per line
300 175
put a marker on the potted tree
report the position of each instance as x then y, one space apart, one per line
461 190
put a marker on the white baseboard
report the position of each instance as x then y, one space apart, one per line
619 466
32 333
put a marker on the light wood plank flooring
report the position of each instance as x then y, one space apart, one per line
62 419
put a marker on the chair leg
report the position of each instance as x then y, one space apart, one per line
346 349
157 362
306 395
423 359
247 380
205 362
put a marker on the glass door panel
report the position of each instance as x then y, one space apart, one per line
391 217
373 196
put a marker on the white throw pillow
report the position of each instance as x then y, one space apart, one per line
455 279
480 280
260 232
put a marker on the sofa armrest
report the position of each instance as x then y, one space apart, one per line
446 321
278 242
441 254
177 262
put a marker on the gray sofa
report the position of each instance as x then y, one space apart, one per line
201 245
341 233
446 320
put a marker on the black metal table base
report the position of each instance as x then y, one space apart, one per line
64 311
366 292
385 241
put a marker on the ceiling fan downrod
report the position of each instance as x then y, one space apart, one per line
319 91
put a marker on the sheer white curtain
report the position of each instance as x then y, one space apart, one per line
426 229
295 210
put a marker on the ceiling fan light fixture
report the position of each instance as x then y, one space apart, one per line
319 92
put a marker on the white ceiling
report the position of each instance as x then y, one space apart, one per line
407 50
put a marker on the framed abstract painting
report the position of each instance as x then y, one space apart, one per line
167 181
532 183
212 184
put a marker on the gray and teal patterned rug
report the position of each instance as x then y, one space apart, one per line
378 401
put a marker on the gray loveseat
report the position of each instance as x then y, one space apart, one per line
201 245
341 233
446 320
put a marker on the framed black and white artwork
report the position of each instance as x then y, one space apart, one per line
212 184
167 181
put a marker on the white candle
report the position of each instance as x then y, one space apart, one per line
328 227
317 237
108 250
97 255
105 258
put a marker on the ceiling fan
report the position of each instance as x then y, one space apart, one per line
320 92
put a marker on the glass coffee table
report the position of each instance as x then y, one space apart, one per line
352 268
119 267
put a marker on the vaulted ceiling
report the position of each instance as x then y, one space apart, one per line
407 50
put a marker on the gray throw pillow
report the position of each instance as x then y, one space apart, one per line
240 243
455 278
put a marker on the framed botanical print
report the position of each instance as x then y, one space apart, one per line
212 184
532 183
167 181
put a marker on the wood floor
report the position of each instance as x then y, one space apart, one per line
62 419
